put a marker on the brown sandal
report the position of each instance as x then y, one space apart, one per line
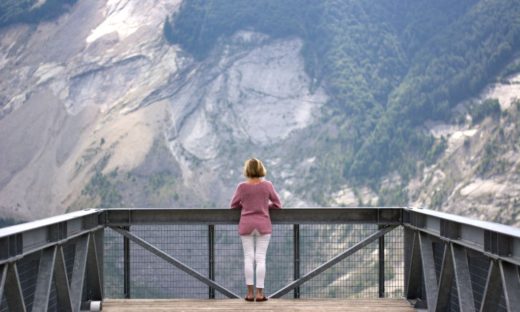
261 299
249 299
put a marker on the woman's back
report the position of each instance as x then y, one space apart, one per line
255 200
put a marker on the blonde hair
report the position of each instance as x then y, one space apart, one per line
254 168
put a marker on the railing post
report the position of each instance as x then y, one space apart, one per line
381 265
211 258
296 256
99 237
408 235
126 264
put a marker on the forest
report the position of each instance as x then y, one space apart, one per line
388 66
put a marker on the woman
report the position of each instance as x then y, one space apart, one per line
255 197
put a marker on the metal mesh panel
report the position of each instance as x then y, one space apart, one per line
228 260
113 264
356 276
69 251
3 304
502 303
394 263
349 278
279 262
438 254
28 272
53 299
28 268
454 298
478 270
152 277
229 266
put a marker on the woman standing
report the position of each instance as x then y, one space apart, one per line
255 197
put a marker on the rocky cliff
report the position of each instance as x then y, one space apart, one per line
98 110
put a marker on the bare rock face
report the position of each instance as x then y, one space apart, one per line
70 92
98 91
252 91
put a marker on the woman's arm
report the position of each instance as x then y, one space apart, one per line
235 201
274 198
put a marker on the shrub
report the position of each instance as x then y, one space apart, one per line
490 107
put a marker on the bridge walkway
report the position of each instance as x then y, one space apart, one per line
274 305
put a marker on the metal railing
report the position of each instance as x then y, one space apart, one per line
459 264
53 263
307 241
438 261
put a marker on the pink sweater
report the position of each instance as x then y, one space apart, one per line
255 200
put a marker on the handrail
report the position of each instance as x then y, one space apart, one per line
489 237
493 226
495 240
19 240
32 225
324 215
226 216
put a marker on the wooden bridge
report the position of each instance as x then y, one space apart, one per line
321 259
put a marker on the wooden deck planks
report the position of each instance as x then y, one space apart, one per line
297 305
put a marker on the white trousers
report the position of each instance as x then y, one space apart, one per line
248 243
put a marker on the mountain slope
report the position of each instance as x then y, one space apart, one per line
479 174
120 118
70 107
112 105
388 65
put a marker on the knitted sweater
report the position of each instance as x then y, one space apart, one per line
255 200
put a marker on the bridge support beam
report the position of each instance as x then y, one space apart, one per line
510 285
455 268
10 284
44 280
422 268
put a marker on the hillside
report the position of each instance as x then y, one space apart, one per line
479 173
389 65
104 104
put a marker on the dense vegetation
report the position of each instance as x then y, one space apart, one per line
29 11
389 65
